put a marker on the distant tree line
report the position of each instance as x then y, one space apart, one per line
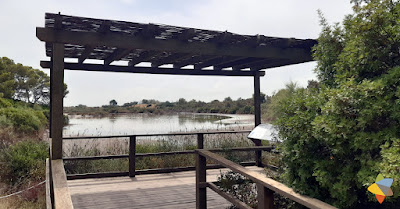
227 106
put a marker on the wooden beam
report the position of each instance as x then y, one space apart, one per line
56 100
148 70
265 197
257 99
232 199
62 197
230 63
144 56
171 45
276 64
216 61
132 156
267 182
193 60
116 55
201 178
167 60
85 54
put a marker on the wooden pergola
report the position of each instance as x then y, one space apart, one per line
185 51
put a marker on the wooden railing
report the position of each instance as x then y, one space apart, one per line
266 187
132 156
57 193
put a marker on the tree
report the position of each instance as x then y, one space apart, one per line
339 137
24 83
113 103
7 82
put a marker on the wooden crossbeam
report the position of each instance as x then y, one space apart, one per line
230 63
168 60
216 61
255 63
192 60
144 56
116 55
147 70
85 54
274 64
120 40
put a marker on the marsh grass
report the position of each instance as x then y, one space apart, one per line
118 146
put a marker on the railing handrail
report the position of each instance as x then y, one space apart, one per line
57 192
158 134
262 180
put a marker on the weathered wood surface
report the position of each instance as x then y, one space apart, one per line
56 100
149 70
172 190
62 197
109 40
269 183
48 182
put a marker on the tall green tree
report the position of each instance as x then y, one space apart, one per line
341 134
24 83
7 82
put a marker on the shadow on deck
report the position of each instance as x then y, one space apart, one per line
169 190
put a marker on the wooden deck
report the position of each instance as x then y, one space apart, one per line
170 190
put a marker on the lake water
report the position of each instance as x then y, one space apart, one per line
128 124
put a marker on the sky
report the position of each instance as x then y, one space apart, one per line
283 18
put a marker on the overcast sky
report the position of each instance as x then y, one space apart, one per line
281 18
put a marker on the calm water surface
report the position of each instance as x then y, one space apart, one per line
147 123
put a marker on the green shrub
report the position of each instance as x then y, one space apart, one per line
339 137
24 161
5 103
24 119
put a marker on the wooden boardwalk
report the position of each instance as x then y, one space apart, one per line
170 190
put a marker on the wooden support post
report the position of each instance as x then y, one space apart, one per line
257 114
132 156
201 187
56 100
257 99
265 197
200 141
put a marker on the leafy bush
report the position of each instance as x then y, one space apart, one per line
24 161
23 119
339 137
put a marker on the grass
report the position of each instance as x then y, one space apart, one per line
96 147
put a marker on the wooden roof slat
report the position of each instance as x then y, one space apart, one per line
147 70
187 34
201 48
89 38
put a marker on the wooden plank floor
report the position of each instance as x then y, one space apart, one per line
170 190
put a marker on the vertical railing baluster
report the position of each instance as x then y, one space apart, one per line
132 156
265 197
201 189
200 141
